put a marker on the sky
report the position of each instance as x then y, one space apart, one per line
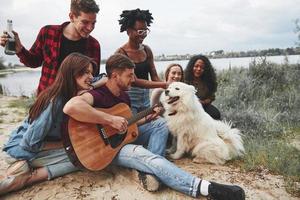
179 27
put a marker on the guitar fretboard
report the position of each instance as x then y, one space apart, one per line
140 115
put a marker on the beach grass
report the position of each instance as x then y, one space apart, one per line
22 102
263 101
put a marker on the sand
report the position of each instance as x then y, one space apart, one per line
116 183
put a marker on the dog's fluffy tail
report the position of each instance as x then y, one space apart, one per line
232 137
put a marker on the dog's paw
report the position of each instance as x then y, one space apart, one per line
175 156
170 150
200 160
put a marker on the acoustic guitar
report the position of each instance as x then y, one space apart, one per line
94 146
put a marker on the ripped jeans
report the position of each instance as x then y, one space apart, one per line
137 157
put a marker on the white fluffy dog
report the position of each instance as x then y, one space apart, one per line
206 139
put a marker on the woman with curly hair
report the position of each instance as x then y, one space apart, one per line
136 23
200 73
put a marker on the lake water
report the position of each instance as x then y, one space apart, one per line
26 82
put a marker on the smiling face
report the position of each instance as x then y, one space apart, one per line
84 23
198 68
84 81
175 74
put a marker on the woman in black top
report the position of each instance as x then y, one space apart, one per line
136 23
200 73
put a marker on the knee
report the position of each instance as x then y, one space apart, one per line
213 112
216 115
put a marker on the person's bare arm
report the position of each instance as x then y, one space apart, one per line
153 72
99 83
156 113
80 108
149 84
156 83
205 101
155 96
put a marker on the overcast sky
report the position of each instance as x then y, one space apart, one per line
179 27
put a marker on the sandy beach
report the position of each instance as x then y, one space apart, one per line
116 183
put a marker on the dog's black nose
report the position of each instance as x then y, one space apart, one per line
167 92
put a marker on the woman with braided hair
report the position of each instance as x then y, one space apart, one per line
136 23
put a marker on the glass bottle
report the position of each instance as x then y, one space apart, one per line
10 47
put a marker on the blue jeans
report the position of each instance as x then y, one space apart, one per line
56 161
139 98
137 157
154 135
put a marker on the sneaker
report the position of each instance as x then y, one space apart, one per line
148 181
13 183
17 168
218 191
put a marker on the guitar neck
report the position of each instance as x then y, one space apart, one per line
140 115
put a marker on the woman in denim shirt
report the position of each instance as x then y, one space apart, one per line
37 142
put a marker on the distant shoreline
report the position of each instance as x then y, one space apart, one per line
18 69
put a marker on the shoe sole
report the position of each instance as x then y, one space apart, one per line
149 182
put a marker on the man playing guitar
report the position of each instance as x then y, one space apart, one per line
150 162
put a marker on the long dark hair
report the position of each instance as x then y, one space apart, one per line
64 86
208 77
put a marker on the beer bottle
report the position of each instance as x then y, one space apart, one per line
10 47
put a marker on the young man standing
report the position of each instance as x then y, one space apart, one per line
153 134
55 42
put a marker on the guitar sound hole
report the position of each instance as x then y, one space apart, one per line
116 139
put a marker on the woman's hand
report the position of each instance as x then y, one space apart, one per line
156 113
205 101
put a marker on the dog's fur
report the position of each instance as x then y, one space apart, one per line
206 139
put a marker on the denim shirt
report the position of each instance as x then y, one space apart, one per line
28 140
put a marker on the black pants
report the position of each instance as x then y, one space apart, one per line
212 111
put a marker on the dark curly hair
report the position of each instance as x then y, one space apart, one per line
208 77
129 17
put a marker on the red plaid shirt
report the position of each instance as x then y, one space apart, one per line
46 49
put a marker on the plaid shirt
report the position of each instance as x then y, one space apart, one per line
46 51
